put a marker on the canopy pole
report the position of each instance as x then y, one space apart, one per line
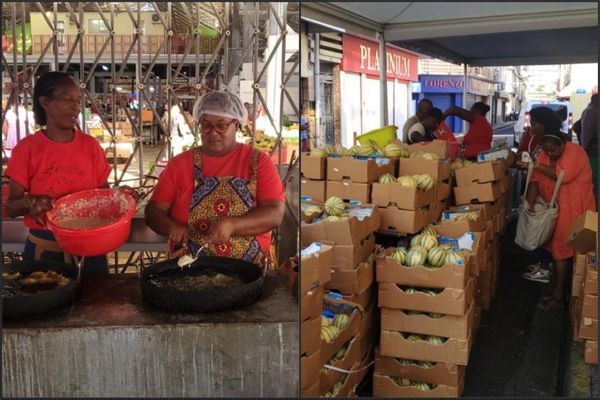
464 95
318 93
383 80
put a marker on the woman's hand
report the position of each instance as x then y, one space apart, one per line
221 231
130 191
38 206
178 234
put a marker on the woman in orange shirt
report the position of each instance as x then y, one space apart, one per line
479 136
575 197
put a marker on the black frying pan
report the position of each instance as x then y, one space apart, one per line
24 306
203 300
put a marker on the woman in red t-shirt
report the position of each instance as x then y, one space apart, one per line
53 162
479 136
224 194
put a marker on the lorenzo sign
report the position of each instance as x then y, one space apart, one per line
362 56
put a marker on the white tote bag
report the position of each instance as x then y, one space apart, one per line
536 228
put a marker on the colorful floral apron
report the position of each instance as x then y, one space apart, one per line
215 198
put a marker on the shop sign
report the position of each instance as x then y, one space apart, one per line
362 56
442 84
481 88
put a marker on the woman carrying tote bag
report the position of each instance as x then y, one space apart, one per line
575 197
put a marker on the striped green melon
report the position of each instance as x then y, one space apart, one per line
341 321
413 337
436 256
399 254
325 321
436 340
364 150
429 230
410 290
428 241
407 180
424 182
392 150
414 241
403 381
415 256
387 178
330 150
329 333
340 354
334 206
454 257
318 152
333 218
353 150
422 386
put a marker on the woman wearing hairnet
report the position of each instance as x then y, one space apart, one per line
223 193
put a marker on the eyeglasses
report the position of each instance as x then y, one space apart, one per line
219 128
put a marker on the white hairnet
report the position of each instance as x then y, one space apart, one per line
221 104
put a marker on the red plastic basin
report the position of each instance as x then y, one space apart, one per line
108 204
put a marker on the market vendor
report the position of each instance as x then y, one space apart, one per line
223 193
55 161
424 131
479 136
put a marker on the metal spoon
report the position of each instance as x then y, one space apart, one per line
187 259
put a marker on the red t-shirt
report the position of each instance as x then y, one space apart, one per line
443 132
43 166
478 137
176 182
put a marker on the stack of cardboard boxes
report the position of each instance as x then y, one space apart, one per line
349 290
414 209
428 302
350 178
314 274
484 187
313 172
584 304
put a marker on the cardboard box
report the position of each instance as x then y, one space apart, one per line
310 392
348 231
479 173
355 353
346 256
311 304
348 190
440 207
590 282
439 147
579 263
363 299
458 228
310 336
591 352
312 167
447 276
316 190
360 171
384 386
453 351
356 314
589 306
478 192
352 281
489 210
588 328
407 221
406 198
444 189
583 233
441 373
505 183
437 169
310 365
454 326
576 285
352 380
449 301
315 269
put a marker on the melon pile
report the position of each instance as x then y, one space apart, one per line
335 209
391 150
416 384
331 328
459 163
424 155
465 216
423 181
435 340
425 251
